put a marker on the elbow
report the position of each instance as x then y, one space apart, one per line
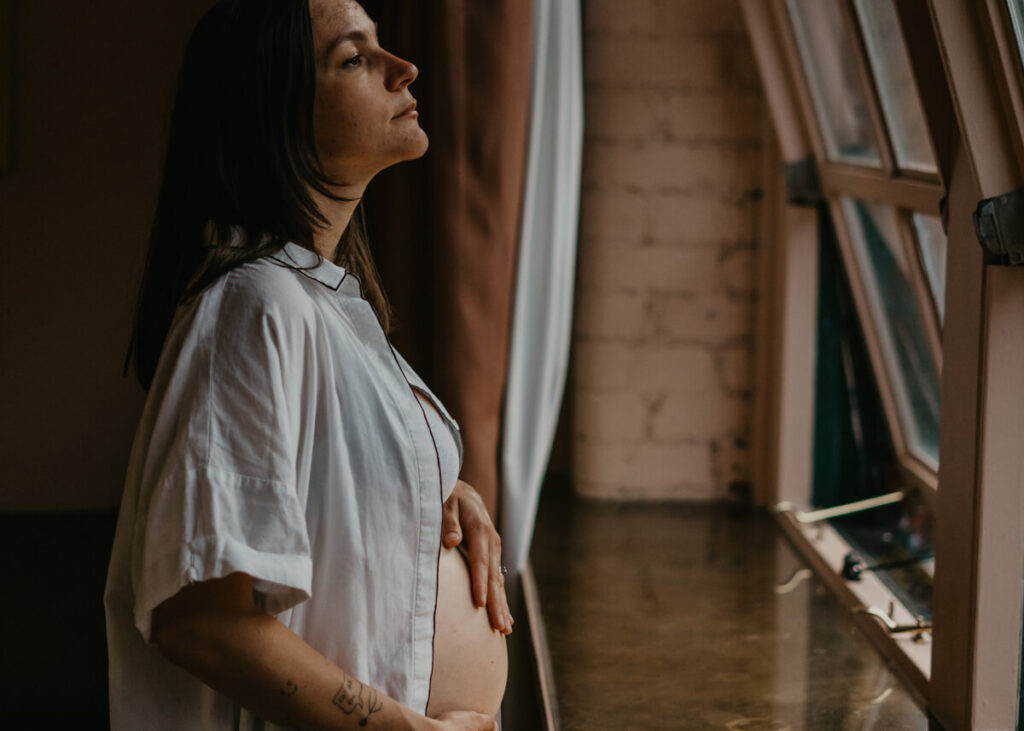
178 641
194 627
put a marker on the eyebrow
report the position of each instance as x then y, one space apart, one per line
352 35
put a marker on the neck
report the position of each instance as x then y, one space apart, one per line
338 215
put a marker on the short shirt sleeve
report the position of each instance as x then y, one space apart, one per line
222 431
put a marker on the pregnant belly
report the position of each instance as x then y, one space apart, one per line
470 658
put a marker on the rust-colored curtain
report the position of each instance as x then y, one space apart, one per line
444 229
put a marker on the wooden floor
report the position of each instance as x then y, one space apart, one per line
668 616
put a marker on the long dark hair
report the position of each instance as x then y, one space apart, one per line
240 156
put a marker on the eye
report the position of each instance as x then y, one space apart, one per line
353 62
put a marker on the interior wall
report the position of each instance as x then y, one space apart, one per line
663 337
93 88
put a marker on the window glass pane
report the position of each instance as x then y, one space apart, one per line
836 91
932 242
899 322
896 89
1017 17
853 452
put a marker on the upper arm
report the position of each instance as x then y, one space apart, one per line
220 465
181 618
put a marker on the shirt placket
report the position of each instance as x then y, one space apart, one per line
428 495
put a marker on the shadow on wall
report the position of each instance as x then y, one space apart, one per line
90 105
91 100
54 668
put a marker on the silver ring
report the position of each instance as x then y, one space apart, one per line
503 570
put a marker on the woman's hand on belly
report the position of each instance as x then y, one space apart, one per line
467 522
465 721
470 657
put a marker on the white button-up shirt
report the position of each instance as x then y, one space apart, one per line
283 437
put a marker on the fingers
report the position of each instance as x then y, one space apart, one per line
451 529
466 512
470 720
497 600
486 722
479 563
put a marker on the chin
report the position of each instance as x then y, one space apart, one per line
419 147
413 149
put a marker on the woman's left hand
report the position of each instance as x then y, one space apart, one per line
466 520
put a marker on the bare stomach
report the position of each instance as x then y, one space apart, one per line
470 657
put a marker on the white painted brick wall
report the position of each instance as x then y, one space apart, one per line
662 381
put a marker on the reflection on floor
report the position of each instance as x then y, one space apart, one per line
668 616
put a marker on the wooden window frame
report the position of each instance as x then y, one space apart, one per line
786 344
970 84
914 469
1001 42
906 190
785 338
976 678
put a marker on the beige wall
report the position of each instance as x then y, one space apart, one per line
93 90
663 337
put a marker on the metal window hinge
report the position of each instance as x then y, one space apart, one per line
999 226
803 186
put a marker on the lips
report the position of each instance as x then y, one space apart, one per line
410 107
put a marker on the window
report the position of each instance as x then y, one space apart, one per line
837 93
886 273
880 297
897 92
869 86
1016 9
864 102
931 245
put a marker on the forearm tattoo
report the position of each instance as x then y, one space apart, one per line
354 697
289 689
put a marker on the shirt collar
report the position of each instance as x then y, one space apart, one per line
314 266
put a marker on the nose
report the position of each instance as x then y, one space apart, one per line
402 73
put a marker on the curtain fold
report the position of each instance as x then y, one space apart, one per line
445 229
542 319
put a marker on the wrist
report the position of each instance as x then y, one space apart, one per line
413 721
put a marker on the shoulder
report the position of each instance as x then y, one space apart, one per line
257 303
259 291
265 286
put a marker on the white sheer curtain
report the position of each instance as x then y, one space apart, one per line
542 315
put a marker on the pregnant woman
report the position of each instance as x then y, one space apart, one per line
294 548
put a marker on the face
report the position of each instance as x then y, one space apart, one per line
361 94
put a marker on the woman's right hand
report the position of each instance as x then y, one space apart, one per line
465 721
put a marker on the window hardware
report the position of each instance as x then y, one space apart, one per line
814 516
999 225
799 576
803 187
853 565
919 627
